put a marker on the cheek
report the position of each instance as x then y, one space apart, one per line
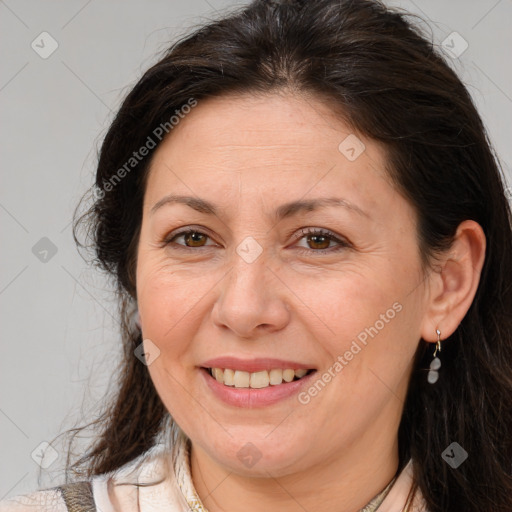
167 294
169 316
341 304
368 323
170 308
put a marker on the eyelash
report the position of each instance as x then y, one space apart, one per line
343 244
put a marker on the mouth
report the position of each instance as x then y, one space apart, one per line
257 380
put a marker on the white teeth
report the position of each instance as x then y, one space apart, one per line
261 379
229 377
218 374
242 379
288 375
276 377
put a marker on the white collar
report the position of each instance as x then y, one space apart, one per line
179 494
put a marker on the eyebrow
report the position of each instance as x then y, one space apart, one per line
284 211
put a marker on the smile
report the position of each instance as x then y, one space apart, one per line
256 380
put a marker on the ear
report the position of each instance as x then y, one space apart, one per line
453 285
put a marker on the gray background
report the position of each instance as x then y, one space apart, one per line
59 341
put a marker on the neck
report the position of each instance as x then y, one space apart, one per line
342 483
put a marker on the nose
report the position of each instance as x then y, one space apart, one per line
253 300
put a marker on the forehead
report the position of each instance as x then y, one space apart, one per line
260 147
264 122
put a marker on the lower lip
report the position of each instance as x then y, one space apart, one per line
253 397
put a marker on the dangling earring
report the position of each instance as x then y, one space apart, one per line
433 374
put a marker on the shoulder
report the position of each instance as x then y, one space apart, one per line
46 500
123 489
157 479
71 496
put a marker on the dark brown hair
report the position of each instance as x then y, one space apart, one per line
390 83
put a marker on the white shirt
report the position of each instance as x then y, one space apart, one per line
175 494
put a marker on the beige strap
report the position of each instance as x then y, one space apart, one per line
78 496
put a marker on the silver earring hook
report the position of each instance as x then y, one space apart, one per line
438 344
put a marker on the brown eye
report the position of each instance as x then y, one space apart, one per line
194 238
318 241
191 238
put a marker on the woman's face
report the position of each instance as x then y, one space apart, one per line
332 283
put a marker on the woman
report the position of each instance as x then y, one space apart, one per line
313 251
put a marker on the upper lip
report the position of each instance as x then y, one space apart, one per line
253 365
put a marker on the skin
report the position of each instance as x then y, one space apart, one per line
248 155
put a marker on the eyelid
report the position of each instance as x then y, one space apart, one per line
314 230
297 234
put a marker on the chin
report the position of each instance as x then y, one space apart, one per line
260 457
